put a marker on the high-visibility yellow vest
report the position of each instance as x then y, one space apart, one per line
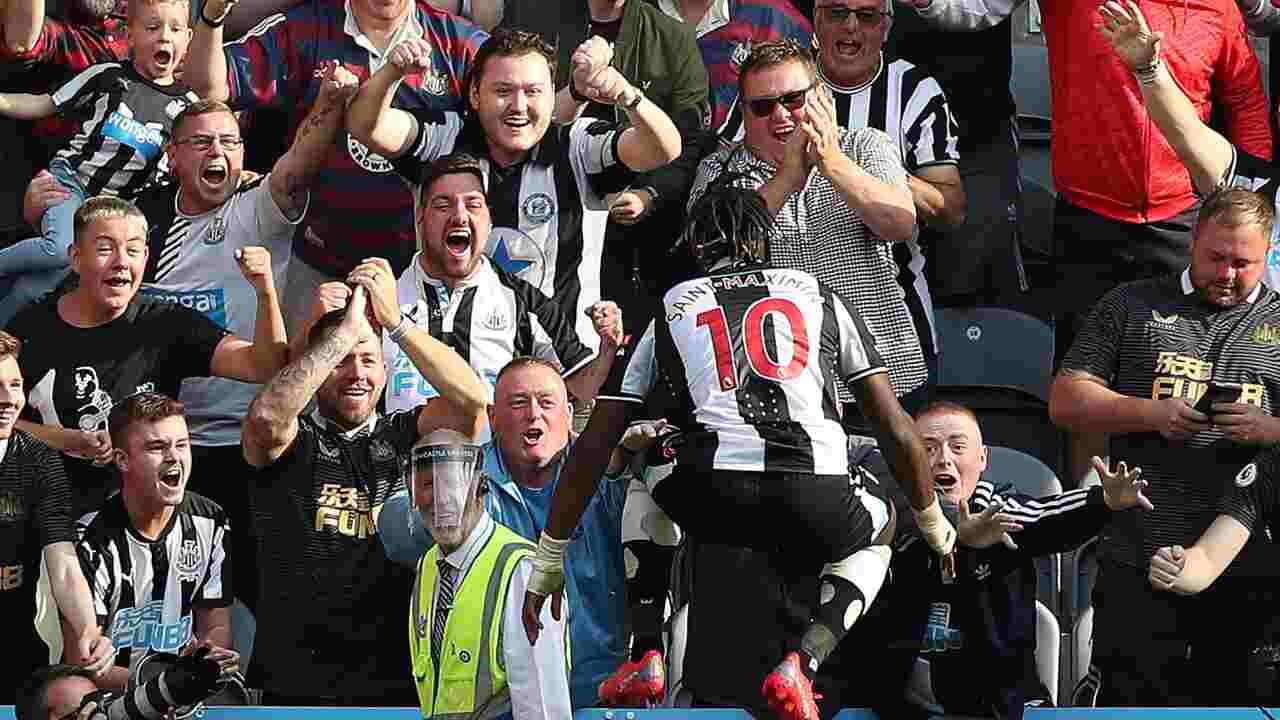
471 681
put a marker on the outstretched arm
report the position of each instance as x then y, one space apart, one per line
255 362
272 421
22 106
370 117
446 370
964 15
206 63
652 139
1207 154
293 172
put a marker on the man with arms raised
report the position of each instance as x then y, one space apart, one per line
330 599
547 184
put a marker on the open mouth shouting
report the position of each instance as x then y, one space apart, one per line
215 173
171 477
119 282
847 49
945 481
532 437
163 58
457 241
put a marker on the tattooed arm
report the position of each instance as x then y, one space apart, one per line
294 171
272 422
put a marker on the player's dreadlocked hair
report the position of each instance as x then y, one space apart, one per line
728 221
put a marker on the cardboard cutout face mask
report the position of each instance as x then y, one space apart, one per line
447 474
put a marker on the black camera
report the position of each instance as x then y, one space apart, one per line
163 682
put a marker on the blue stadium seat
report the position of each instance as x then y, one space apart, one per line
999 364
994 347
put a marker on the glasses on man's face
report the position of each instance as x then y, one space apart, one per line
202 143
763 107
839 14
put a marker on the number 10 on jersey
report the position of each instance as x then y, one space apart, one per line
752 330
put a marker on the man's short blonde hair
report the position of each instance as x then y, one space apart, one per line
104 207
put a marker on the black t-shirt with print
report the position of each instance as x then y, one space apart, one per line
74 375
331 606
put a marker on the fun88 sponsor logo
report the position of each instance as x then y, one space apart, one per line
144 138
210 303
144 627
408 384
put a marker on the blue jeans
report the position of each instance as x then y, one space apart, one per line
30 269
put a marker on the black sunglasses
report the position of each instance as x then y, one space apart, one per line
840 14
763 107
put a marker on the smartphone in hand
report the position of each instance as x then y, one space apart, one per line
1218 392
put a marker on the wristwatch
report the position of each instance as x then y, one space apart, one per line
635 98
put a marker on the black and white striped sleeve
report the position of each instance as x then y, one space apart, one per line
635 373
83 87
553 335
434 134
216 590
98 566
593 152
931 134
858 357
1055 523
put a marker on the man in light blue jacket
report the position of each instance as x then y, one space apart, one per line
530 419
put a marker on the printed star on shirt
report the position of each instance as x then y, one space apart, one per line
502 257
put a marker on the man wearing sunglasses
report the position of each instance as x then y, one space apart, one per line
841 198
909 106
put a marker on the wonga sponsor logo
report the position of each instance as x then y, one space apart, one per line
146 139
210 303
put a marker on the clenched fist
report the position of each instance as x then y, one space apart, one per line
591 58
339 84
412 56
255 265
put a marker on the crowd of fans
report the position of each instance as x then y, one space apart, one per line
313 312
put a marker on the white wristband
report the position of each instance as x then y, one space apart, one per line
935 528
548 565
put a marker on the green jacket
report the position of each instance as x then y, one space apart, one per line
655 53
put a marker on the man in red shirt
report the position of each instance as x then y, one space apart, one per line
1126 206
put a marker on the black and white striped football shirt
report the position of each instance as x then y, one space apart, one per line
488 319
144 591
548 211
1158 339
120 145
816 231
753 355
908 105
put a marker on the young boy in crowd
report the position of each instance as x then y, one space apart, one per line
126 112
